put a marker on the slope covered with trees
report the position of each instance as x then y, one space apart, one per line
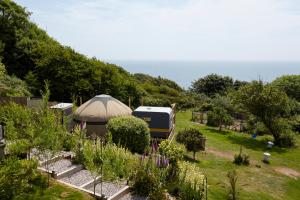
31 55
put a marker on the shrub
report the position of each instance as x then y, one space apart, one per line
218 117
192 139
18 177
118 163
241 159
172 151
191 182
130 132
146 183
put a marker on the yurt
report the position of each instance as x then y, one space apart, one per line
97 111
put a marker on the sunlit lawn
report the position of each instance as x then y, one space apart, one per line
58 191
255 182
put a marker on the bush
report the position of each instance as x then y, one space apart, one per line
191 182
218 117
146 184
241 159
130 132
172 151
192 139
117 162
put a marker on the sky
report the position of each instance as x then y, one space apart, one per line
190 30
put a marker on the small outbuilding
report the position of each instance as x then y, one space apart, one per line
97 111
161 120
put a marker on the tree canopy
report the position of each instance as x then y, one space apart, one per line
213 84
290 84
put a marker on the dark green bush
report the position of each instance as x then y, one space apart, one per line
192 139
241 159
145 183
130 132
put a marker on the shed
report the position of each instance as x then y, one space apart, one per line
97 111
160 120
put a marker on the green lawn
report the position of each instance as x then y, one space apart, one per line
58 191
254 182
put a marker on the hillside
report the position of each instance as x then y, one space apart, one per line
32 55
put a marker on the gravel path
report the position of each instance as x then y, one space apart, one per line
108 189
79 178
60 166
129 196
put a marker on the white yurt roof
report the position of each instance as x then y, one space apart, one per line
101 108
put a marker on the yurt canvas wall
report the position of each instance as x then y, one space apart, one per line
97 111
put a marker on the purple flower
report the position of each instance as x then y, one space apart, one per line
158 161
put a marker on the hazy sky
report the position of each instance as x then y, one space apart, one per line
174 29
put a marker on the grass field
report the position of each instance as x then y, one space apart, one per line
256 181
58 191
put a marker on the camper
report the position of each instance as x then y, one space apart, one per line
161 120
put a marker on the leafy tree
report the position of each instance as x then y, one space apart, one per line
212 84
218 117
130 132
18 177
290 84
50 132
267 103
192 139
20 128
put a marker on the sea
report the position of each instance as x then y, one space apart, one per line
185 72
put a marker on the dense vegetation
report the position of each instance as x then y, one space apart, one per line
30 54
130 132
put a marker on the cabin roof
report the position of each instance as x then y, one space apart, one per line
154 109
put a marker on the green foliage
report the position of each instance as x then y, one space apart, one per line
145 184
218 117
31 54
118 163
267 103
20 128
11 85
212 84
241 158
192 139
232 178
129 132
172 151
290 84
191 182
18 177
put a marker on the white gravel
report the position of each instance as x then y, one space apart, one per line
108 188
79 178
60 165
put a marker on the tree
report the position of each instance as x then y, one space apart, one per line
266 102
18 177
130 132
290 84
218 117
50 132
94 161
212 84
192 139
20 128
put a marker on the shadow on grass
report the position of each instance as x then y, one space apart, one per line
254 144
189 159
216 130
